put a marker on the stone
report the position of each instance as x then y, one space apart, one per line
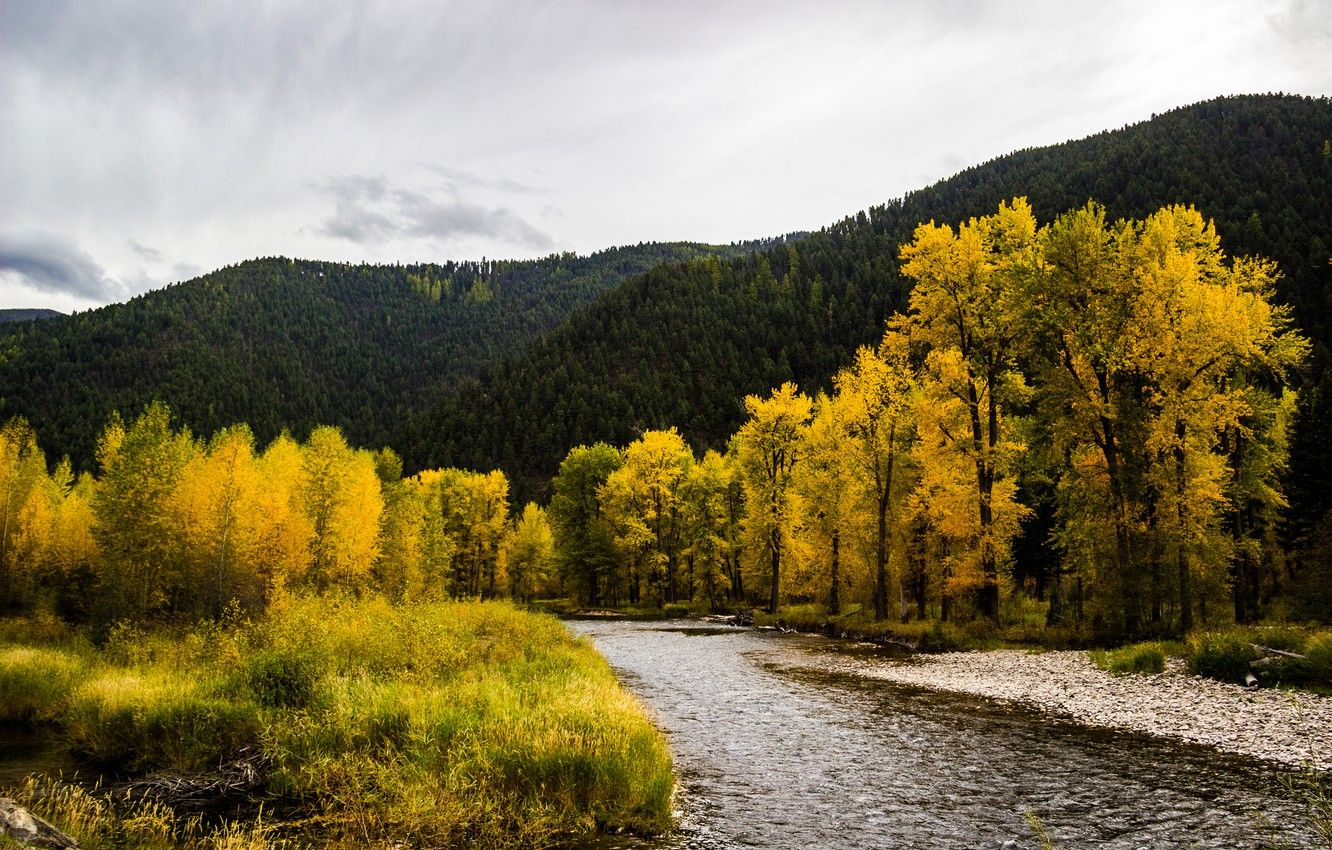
24 827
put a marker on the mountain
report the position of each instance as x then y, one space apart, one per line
288 344
682 345
26 314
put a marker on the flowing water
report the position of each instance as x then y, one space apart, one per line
780 744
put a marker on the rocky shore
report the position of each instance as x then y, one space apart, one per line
1291 728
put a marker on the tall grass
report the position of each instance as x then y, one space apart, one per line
450 723
100 821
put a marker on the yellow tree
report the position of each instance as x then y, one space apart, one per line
474 508
1080 323
1205 325
216 490
874 398
343 502
22 472
962 308
529 554
827 484
769 445
276 521
708 536
584 544
643 500
437 541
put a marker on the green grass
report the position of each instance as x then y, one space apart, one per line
470 724
1227 655
1141 658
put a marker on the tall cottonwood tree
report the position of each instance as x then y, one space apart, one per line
769 445
643 501
343 502
709 533
875 405
962 308
829 487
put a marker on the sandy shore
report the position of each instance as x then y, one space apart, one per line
1290 728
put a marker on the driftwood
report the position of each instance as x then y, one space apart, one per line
242 775
1267 650
24 827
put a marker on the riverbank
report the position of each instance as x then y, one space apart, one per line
438 724
1291 728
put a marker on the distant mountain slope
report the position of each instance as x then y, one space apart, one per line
26 314
682 345
284 343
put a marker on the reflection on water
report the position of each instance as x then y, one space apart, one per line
779 744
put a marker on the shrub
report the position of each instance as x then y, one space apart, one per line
1318 658
1224 656
1142 658
277 678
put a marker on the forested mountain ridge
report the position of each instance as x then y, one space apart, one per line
25 314
682 346
290 344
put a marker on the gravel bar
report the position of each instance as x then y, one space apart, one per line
1289 727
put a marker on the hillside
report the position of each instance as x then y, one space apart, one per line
682 345
290 344
26 314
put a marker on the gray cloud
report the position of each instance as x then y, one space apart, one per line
50 264
152 255
507 129
369 211
457 179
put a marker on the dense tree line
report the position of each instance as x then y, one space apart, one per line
173 526
680 346
289 344
1127 371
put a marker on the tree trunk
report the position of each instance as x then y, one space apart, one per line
1182 553
834 590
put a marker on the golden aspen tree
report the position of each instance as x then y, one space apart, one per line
489 524
962 308
1081 323
874 403
769 445
1206 327
828 488
343 502
276 521
216 490
437 543
624 510
644 501
529 554
22 470
703 494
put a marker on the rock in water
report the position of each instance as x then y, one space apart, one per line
23 826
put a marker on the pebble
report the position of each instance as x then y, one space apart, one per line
1292 728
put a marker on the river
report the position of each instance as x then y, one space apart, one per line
780 744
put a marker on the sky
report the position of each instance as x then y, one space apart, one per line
143 143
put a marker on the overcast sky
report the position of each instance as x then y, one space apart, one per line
145 143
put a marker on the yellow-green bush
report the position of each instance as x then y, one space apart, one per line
1144 658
